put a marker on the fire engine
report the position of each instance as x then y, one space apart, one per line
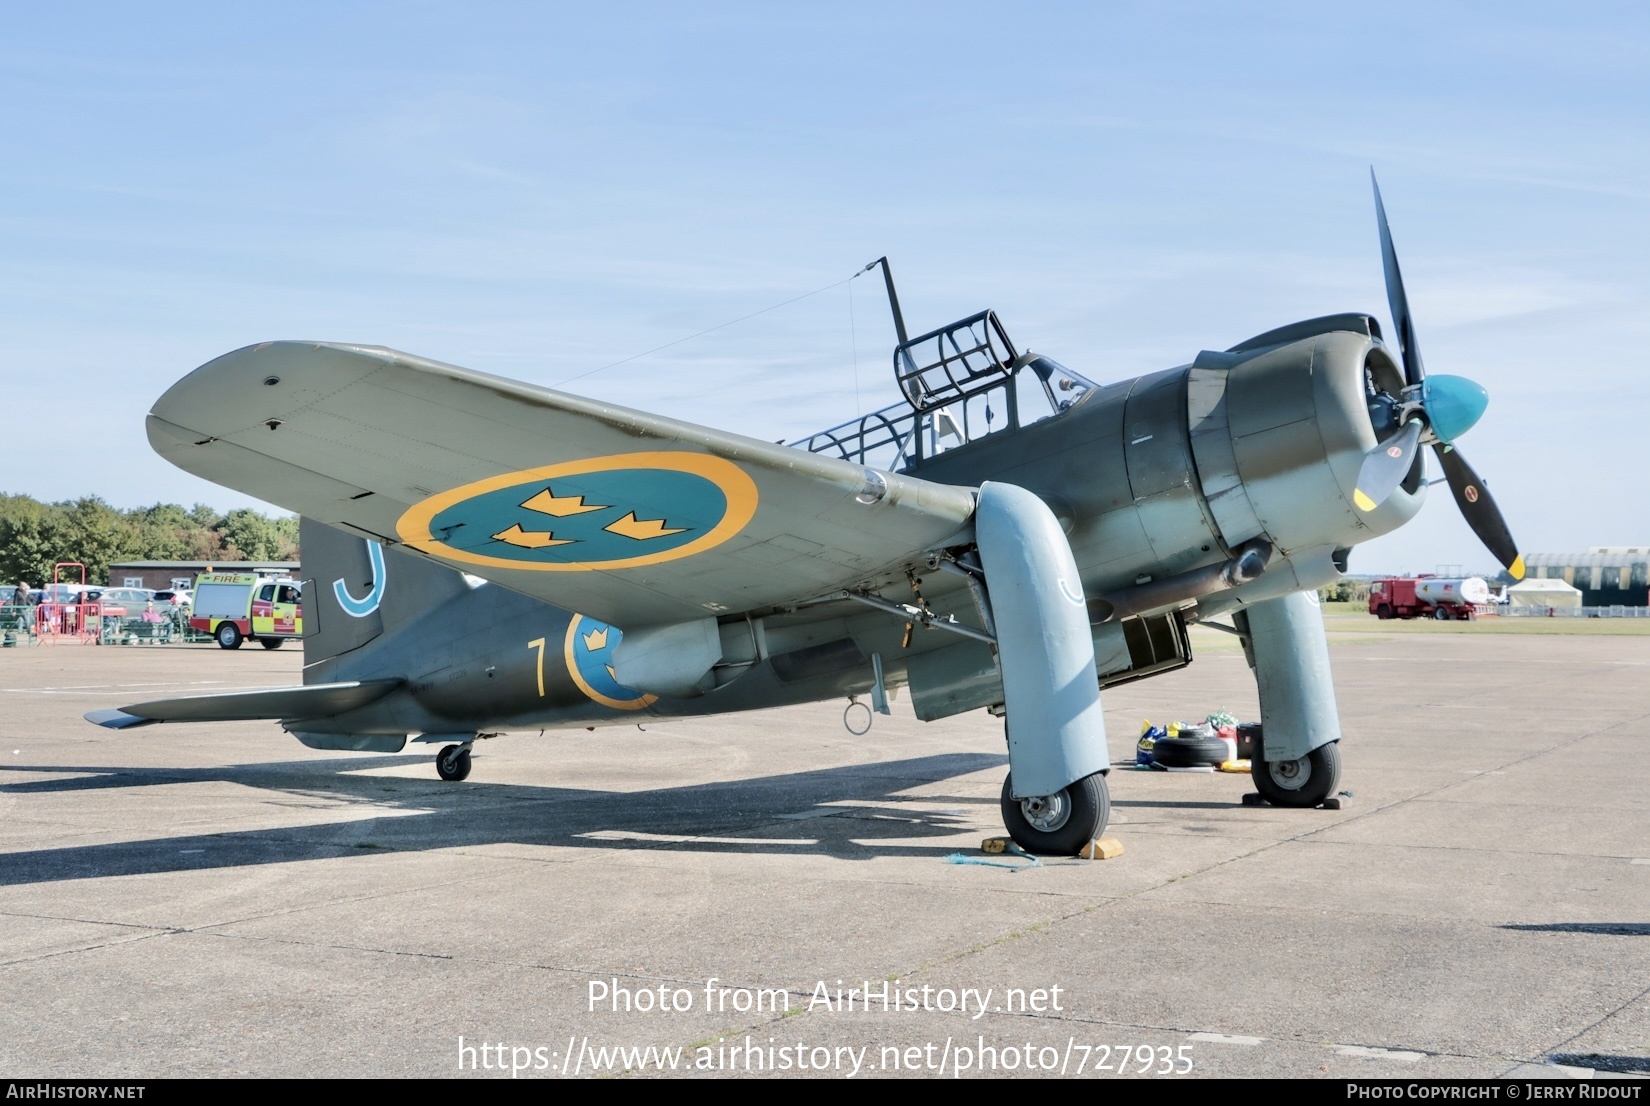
234 606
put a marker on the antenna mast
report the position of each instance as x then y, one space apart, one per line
893 297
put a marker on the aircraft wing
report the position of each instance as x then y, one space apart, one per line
628 517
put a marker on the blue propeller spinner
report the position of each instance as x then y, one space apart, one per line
1453 405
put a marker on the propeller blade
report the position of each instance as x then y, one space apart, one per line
1385 467
1479 509
1395 298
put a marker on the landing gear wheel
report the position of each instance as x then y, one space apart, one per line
272 642
228 635
453 763
1059 824
1306 781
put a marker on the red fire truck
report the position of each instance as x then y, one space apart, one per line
1427 596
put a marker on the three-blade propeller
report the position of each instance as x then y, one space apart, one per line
1430 411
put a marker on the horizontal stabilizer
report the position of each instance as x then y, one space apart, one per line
118 719
313 701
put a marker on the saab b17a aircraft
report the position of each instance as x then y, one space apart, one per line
482 555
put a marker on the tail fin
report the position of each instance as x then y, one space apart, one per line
355 589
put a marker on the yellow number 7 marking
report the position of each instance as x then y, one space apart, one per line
538 643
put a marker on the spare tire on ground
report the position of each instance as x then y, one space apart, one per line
1190 752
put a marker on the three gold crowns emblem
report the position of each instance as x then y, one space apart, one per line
548 503
596 641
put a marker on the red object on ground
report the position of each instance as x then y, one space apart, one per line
1395 597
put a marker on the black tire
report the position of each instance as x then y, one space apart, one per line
228 635
1305 782
1441 614
1190 752
272 642
1383 612
1059 824
453 763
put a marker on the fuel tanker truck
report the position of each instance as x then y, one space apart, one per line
1437 597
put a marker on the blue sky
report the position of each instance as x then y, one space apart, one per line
538 190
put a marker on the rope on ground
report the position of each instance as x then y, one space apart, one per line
961 858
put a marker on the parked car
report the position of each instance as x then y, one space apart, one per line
131 600
180 597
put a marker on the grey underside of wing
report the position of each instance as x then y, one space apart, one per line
362 434
313 701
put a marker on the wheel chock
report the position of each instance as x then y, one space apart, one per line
1253 799
1104 848
994 845
1331 803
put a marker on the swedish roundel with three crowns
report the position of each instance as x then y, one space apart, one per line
624 511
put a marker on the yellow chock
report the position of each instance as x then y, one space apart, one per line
994 845
1106 848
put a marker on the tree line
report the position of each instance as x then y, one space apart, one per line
34 536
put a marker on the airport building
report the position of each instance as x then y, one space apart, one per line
1608 575
161 575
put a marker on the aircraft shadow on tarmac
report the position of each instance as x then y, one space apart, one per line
428 814
1612 929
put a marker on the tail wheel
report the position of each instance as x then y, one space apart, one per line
228 635
1059 824
453 763
1305 781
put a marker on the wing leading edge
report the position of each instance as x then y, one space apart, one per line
632 518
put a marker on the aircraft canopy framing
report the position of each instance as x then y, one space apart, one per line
962 382
954 362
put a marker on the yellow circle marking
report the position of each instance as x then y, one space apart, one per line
735 484
584 685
